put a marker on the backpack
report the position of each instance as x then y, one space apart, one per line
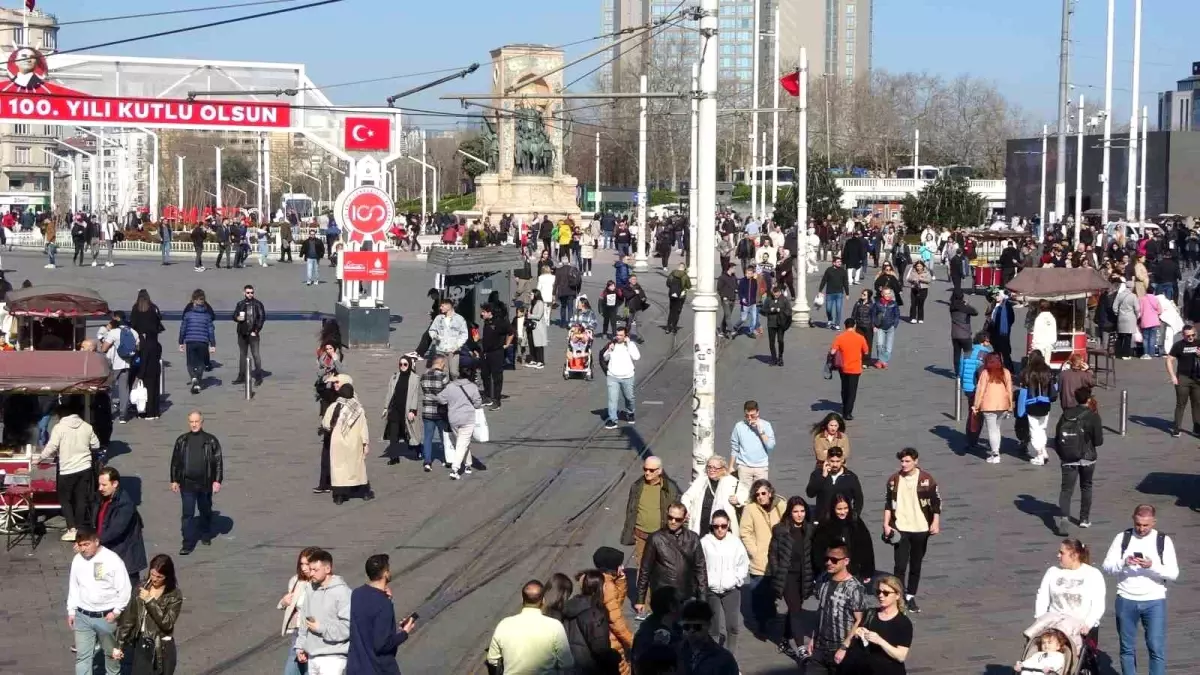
1127 535
745 248
126 344
674 286
1069 440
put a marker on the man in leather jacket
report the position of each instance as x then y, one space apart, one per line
197 471
250 315
673 557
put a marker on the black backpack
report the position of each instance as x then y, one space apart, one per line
574 279
674 286
1069 441
1127 536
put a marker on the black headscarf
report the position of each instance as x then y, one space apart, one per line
399 402
346 391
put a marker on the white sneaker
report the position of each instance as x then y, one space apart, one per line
69 535
93 263
50 266
1037 461
1146 357
453 475
108 264
994 459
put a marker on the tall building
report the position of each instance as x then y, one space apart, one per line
837 34
25 168
1177 110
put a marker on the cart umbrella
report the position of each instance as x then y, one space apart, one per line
1057 283
56 301
54 372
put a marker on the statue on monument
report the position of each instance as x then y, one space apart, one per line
534 152
491 143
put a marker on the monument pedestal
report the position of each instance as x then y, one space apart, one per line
523 196
361 327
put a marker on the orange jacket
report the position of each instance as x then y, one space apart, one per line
619 636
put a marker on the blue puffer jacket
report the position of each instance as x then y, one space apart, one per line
197 326
969 368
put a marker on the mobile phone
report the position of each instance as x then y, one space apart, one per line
1138 556
414 616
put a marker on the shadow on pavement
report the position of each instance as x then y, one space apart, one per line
1036 507
221 523
826 404
1184 487
1159 423
956 440
118 448
940 371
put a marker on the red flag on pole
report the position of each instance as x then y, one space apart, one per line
791 83
30 4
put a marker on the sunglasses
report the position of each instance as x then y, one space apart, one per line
832 559
646 470
673 519
720 527
762 493
885 592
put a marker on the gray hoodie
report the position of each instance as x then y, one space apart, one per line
330 606
461 398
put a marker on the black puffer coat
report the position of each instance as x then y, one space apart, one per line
853 533
779 557
587 633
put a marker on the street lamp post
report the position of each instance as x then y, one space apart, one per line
74 180
218 176
91 161
1042 200
641 260
692 248
179 182
800 316
1078 174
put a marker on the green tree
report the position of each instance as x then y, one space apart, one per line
478 147
235 169
663 197
824 197
947 202
741 193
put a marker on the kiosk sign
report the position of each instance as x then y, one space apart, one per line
365 266
366 213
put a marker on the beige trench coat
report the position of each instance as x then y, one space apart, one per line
347 447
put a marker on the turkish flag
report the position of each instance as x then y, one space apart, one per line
368 133
791 83
30 4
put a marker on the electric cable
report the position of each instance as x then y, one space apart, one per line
147 15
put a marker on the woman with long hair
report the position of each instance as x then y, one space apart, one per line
993 399
1075 590
557 592
402 409
1038 382
765 510
841 525
830 432
535 326
586 623
790 555
147 626
145 317
886 632
919 279
292 605
887 279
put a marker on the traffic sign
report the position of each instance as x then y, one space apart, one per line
366 212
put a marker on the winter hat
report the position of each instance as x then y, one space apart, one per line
608 559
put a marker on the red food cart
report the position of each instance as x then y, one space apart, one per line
53 316
989 244
28 381
1068 291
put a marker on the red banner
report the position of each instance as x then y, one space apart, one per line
368 133
83 109
364 265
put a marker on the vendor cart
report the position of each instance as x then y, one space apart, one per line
52 317
30 382
1068 291
985 261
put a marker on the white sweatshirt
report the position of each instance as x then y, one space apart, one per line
1077 593
99 584
620 359
1134 582
727 562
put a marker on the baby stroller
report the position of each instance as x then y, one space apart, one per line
1075 657
579 353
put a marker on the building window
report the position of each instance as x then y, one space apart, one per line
745 50
849 60
49 40
849 74
41 183
727 49
726 62
22 155
849 9
20 129
15 184
53 131
850 21
85 186
743 63
18 35
850 35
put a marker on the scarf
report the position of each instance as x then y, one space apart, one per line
1000 316
399 402
351 410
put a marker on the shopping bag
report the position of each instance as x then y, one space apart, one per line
137 396
480 434
973 422
819 301
827 369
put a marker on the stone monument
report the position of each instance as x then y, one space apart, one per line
525 139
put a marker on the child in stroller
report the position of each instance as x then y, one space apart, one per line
579 352
1049 650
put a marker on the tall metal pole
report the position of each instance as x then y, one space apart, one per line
179 183
917 157
641 260
775 114
258 185
1131 170
800 302
692 209
1064 76
597 205
1145 151
266 181
756 38
1108 82
218 190
100 152
424 181
1042 200
1079 173
704 304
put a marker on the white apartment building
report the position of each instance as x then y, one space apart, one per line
25 168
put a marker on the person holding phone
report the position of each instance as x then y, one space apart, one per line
374 634
147 627
324 639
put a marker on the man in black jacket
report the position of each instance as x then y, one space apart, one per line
312 250
197 471
494 340
727 291
119 525
830 479
1078 434
673 557
250 316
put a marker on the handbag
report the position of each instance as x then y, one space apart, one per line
138 395
480 433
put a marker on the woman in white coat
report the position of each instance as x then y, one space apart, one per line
535 325
719 490
1045 331
1172 322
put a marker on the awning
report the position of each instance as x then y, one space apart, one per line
56 301
38 372
1057 283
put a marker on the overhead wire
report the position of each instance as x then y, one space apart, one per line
191 10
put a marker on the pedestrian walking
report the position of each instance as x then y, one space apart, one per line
846 353
912 511
728 565
536 319
495 339
375 636
586 622
1143 560
830 480
646 507
1037 383
750 445
325 633
197 338
402 410
292 604
461 399
73 441
109 235
118 523
765 510
961 312
250 316
448 333
98 591
610 562
841 603
618 359
197 472
433 415
345 424
198 236
993 401
778 311
119 344
530 642
791 574
672 558
885 316
714 490
147 627
1183 368
699 652
749 292
312 250
678 286
886 635
919 279
727 293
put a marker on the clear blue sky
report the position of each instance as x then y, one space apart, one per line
1014 43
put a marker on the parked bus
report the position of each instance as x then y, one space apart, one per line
766 174
926 172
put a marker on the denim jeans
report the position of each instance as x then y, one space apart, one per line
89 631
833 308
432 429
1151 613
118 382
620 388
566 307
311 271
1150 341
290 665
165 247
51 252
884 339
190 501
749 318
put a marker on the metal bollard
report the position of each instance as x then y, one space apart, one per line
162 377
958 398
1124 410
249 380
